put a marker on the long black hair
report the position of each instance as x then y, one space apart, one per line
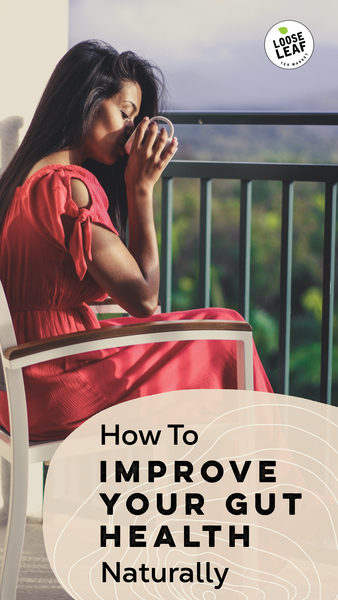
89 73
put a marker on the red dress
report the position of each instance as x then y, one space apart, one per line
47 287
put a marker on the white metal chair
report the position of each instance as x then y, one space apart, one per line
16 447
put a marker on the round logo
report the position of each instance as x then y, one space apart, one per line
289 44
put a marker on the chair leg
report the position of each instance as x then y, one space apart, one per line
44 476
15 532
245 364
5 489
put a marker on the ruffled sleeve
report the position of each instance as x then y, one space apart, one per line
50 197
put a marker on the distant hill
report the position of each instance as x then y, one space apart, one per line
258 143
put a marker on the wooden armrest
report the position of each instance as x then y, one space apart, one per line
92 335
108 306
108 301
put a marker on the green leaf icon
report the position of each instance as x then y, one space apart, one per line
283 30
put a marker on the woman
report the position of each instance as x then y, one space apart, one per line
59 249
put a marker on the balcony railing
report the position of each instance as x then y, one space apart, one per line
246 173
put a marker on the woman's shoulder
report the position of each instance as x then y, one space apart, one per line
60 172
51 196
67 183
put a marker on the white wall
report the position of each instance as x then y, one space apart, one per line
33 38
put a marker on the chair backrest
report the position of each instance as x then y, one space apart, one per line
13 384
16 450
13 381
7 334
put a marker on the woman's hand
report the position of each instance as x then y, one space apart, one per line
146 162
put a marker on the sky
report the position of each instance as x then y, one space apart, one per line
212 51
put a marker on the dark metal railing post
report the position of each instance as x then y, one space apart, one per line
205 244
287 173
328 291
285 289
244 249
166 243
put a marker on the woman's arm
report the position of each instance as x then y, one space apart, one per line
131 276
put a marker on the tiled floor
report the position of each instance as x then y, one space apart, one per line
36 579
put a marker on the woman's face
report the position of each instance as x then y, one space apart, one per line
113 124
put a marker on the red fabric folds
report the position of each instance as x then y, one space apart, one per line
48 288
